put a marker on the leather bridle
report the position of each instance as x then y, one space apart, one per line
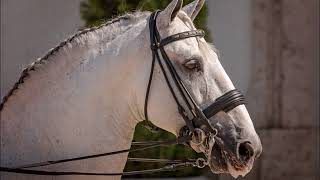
198 117
194 117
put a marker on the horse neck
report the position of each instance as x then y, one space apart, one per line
92 109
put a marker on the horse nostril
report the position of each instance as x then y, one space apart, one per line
245 151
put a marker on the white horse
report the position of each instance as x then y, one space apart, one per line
87 95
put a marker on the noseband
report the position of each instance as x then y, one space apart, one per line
193 115
196 118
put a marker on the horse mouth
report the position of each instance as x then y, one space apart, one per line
223 161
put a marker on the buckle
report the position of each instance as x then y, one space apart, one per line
201 163
155 46
198 136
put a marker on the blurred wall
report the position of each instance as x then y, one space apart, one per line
29 29
230 22
283 92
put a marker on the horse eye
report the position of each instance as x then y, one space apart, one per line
192 64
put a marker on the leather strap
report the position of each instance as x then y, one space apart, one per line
181 36
225 103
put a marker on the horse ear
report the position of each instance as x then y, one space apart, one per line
193 8
170 12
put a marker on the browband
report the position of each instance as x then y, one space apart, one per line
180 36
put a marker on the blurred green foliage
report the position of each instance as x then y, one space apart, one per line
95 12
165 152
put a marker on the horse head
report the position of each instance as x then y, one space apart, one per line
236 144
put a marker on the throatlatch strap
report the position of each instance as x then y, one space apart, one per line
147 122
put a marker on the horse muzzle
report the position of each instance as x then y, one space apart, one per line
235 149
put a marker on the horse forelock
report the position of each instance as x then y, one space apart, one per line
79 38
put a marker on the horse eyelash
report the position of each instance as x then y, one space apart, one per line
198 66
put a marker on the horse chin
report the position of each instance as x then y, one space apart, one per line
223 162
235 171
218 161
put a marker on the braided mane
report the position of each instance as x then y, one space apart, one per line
40 61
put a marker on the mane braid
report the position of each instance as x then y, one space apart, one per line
31 67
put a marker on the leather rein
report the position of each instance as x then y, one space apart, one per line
195 118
